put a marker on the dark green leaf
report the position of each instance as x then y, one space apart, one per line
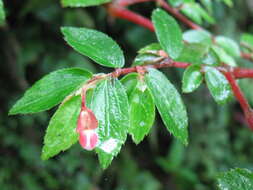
2 13
50 90
169 104
83 3
110 105
129 81
236 179
229 45
168 33
142 112
61 133
218 85
96 45
192 78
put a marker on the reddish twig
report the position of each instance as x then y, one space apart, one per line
125 3
241 98
121 12
247 56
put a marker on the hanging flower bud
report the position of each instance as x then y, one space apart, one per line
88 139
86 120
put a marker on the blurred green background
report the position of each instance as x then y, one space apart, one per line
31 45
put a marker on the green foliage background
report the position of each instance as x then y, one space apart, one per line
32 45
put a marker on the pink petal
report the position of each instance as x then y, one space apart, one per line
86 120
88 139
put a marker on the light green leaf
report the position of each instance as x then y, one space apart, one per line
169 104
61 133
110 105
247 39
193 53
236 179
197 36
96 45
146 59
191 11
129 81
218 85
154 47
168 33
192 78
50 90
83 3
142 112
2 13
223 56
229 45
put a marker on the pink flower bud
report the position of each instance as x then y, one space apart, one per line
86 120
88 139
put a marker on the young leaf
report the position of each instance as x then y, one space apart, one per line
197 36
236 179
150 48
145 59
50 90
2 13
218 85
169 104
229 45
61 132
96 45
110 105
168 33
192 78
142 112
223 56
83 3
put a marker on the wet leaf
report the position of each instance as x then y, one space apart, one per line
145 59
110 105
168 33
241 179
229 45
96 45
192 78
142 112
150 48
83 3
50 90
223 56
129 81
169 104
61 132
218 85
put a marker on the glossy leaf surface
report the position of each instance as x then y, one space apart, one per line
83 3
168 33
192 78
50 90
218 85
229 45
169 104
142 112
96 45
241 179
2 13
61 133
110 105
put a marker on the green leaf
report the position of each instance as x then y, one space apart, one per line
142 112
96 45
191 11
2 13
50 90
192 78
229 45
241 179
197 36
110 105
211 58
129 81
247 39
146 59
61 133
223 56
168 33
169 104
193 53
154 47
218 85
83 3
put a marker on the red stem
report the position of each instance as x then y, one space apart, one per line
125 3
247 56
178 15
241 98
121 12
